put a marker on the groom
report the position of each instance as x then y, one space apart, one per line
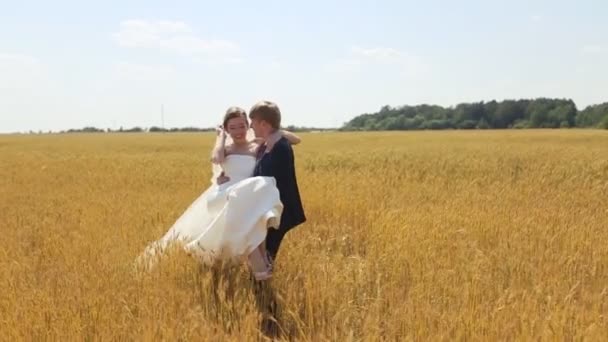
275 159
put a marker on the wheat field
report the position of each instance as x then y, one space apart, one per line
481 235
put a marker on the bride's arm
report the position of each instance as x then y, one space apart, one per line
291 137
219 150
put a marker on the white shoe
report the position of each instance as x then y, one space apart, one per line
261 276
260 265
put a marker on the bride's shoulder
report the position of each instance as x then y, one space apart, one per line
256 142
254 145
228 147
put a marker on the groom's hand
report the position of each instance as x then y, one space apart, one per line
222 178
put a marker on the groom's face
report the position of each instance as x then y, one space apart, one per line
258 128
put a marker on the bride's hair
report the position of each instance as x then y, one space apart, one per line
234 112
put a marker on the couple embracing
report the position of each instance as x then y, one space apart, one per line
253 200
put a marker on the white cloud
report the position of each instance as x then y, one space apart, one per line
399 61
171 36
143 72
18 59
536 18
20 71
275 63
345 65
382 54
219 60
594 49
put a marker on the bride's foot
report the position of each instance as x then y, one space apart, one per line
260 264
264 275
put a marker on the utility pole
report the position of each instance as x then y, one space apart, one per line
162 115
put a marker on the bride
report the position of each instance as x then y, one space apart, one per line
230 221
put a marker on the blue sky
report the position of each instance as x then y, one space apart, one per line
66 64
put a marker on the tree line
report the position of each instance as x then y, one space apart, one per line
136 129
156 129
524 113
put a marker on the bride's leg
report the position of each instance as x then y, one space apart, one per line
264 252
258 263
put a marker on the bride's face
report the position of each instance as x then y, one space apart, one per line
237 129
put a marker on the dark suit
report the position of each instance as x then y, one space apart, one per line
279 163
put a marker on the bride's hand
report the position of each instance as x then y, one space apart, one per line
219 150
221 133
222 179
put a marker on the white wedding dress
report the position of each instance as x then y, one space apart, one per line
227 221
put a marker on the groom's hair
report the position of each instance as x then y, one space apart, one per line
266 111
